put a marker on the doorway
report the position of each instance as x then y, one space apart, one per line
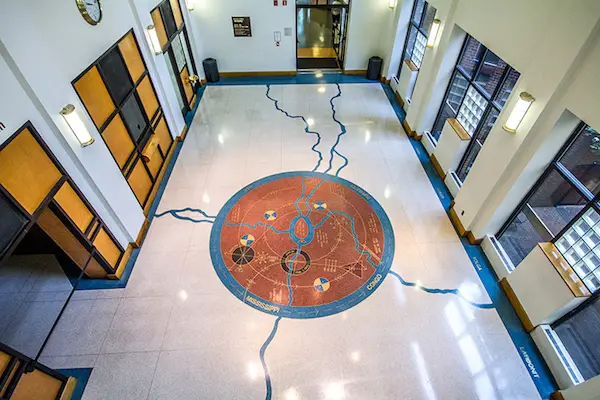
321 34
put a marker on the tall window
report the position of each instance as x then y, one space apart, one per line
479 88
418 31
563 207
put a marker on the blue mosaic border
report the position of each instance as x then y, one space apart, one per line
528 351
293 311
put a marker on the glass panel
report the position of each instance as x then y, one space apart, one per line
455 95
419 50
487 125
471 56
468 160
428 19
132 114
509 83
490 73
116 76
579 335
186 51
410 44
174 80
13 220
582 159
179 54
471 110
519 238
169 20
556 202
418 11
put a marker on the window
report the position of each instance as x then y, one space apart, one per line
418 32
563 207
478 90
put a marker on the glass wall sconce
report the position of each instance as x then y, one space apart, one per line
393 4
76 125
154 42
435 28
518 112
190 4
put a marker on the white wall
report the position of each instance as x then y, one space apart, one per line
371 23
213 30
16 109
51 47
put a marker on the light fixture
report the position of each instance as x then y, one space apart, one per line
435 27
393 3
76 125
154 42
190 4
518 112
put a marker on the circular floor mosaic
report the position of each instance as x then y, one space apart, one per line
302 244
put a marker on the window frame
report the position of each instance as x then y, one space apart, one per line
419 29
491 98
592 201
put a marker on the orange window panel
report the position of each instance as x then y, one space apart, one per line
177 13
160 27
132 56
118 140
28 173
164 136
75 208
94 95
107 247
187 86
146 93
140 181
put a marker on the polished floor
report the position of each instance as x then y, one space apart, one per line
177 332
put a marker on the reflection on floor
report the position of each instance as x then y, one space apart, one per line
316 52
176 332
33 289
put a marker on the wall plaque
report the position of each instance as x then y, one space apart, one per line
241 27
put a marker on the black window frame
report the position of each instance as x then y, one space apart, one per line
492 99
592 201
419 27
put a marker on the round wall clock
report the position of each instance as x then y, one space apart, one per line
91 11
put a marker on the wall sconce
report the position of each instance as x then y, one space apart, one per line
518 112
393 4
76 125
154 42
190 4
435 28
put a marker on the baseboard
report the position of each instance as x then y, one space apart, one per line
438 168
203 82
557 396
256 73
514 301
142 234
456 221
124 260
355 72
399 98
472 239
69 388
161 175
183 134
385 81
407 128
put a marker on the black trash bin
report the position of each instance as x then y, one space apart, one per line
211 70
374 70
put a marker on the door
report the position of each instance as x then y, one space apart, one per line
182 71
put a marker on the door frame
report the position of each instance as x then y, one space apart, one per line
326 6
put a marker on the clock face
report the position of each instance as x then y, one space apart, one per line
91 10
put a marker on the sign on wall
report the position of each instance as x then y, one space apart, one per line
241 27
